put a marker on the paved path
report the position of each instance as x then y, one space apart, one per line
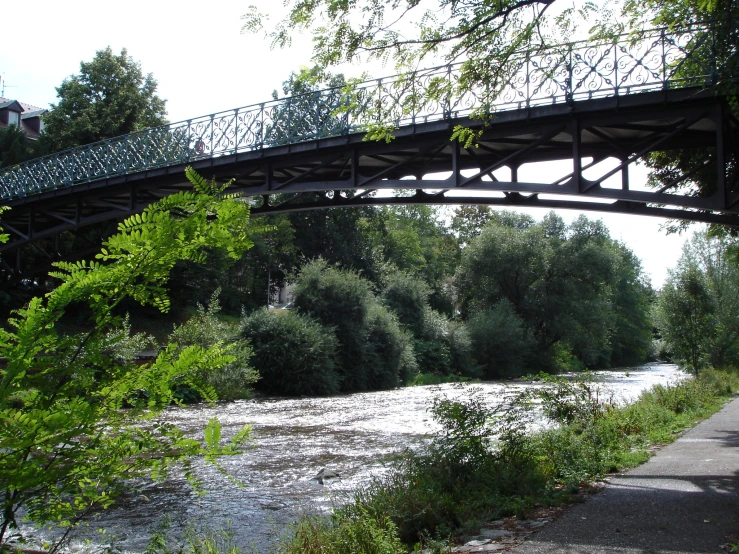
684 499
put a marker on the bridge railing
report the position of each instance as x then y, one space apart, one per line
657 59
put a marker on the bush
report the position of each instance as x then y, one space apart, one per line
500 341
349 531
293 353
340 299
388 359
407 296
461 479
373 351
433 357
205 329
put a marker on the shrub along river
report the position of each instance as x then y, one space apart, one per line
353 435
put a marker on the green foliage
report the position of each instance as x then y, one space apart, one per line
109 97
68 447
442 346
308 114
207 541
339 299
374 352
205 329
407 296
15 147
460 479
423 379
468 222
557 289
294 354
341 237
698 310
348 531
566 401
685 319
631 337
388 359
501 342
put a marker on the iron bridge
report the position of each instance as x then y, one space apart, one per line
601 107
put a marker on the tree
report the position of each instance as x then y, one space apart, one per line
295 355
714 254
685 316
563 290
14 146
109 97
468 221
307 114
698 310
205 329
631 335
67 445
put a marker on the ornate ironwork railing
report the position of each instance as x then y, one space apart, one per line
653 60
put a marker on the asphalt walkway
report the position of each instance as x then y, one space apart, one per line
684 499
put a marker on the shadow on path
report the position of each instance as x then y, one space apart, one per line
684 499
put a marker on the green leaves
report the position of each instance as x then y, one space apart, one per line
66 444
109 97
554 288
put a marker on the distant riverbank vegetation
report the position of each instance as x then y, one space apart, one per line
385 297
515 296
479 294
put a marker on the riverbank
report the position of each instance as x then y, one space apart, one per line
462 481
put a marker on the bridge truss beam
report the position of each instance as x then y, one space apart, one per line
423 162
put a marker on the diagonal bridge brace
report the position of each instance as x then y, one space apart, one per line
500 163
644 150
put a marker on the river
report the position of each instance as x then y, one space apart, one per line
354 435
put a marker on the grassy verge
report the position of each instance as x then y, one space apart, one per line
483 465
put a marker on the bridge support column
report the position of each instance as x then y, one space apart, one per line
576 155
721 188
624 175
455 163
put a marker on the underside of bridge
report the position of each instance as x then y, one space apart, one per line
599 139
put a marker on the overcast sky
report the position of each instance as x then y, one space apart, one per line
204 65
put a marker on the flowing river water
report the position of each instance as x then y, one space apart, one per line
353 435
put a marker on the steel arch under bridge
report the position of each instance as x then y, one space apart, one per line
602 107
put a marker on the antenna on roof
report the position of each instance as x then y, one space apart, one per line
3 85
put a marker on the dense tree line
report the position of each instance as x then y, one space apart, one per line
517 296
552 290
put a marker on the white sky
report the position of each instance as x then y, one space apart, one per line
204 65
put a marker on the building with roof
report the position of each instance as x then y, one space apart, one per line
27 117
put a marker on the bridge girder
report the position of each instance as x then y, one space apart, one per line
345 171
